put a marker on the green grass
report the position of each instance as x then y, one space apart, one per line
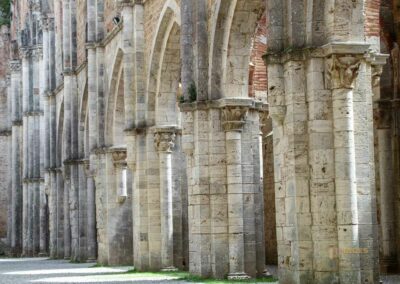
5 12
99 265
185 276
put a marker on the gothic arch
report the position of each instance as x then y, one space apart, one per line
83 119
60 129
168 25
231 48
114 98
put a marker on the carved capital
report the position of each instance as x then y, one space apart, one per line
164 140
234 117
264 117
45 24
376 75
119 157
8 80
25 53
15 66
34 5
342 70
89 172
38 53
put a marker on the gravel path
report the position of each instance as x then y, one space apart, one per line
43 270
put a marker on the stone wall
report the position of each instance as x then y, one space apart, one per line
4 184
81 31
5 127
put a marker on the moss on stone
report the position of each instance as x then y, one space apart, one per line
5 12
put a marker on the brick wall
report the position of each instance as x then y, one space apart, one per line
258 82
372 27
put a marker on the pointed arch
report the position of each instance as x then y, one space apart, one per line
169 20
236 23
116 84
83 117
60 130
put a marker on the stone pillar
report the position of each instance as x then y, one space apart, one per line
93 133
164 142
26 54
91 213
396 166
343 71
16 179
223 188
119 208
8 133
60 213
322 154
386 180
233 122
67 225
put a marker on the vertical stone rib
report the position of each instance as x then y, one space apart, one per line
186 47
139 107
202 49
92 94
127 34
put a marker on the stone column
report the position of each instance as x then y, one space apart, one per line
9 161
164 139
67 224
26 54
60 213
91 213
343 70
396 165
386 180
233 121
93 133
16 179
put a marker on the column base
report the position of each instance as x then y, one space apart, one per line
266 273
43 254
238 276
169 269
91 260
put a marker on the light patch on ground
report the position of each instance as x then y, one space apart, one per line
5 260
106 278
68 271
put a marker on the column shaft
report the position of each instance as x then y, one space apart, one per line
167 249
235 205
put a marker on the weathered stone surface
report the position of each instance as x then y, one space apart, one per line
148 132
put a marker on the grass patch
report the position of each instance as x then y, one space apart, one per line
186 276
75 261
99 265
